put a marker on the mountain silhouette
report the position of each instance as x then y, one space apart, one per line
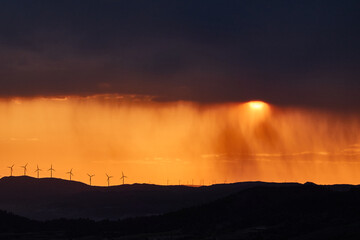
258 211
52 198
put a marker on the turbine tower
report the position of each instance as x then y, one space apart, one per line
70 174
38 170
123 177
90 176
24 167
51 171
11 170
108 179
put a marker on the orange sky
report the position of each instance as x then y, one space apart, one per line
155 142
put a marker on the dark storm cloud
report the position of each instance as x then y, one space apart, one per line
286 52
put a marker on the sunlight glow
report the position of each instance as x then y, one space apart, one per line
179 141
257 105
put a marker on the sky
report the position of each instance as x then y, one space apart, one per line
177 142
303 53
164 90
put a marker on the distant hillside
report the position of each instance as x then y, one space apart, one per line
272 211
51 198
266 211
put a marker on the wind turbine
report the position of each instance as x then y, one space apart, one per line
11 170
24 167
90 176
108 179
38 170
123 177
70 174
51 170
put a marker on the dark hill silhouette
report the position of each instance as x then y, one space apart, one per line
306 211
267 211
52 198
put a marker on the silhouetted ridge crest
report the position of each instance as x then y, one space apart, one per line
253 211
51 198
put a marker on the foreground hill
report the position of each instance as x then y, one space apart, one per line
269 211
51 198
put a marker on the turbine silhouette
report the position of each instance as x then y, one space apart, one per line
108 179
51 171
24 167
123 177
38 170
70 174
90 176
11 170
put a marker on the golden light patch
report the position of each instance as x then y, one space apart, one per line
257 105
180 141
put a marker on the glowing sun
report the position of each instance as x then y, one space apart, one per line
257 105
